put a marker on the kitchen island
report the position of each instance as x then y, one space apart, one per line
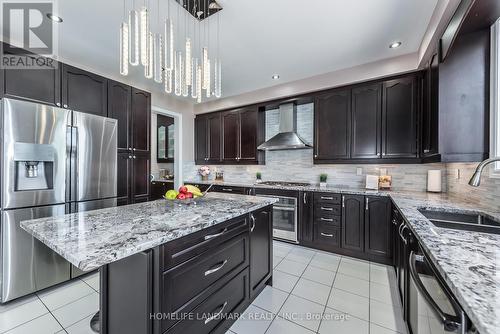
169 266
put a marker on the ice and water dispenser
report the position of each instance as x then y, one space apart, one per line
34 166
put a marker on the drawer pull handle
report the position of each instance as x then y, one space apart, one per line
252 219
327 219
327 235
211 236
327 198
216 315
227 189
326 209
213 270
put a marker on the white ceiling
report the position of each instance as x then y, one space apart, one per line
295 39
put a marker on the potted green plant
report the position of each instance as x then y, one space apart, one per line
322 180
258 176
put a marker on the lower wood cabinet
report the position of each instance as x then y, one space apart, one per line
133 184
159 188
306 210
261 249
378 226
353 222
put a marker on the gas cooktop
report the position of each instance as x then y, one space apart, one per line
285 184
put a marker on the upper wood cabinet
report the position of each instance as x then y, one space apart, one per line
332 126
141 120
119 108
248 135
201 139
430 110
230 136
239 136
84 91
399 118
37 85
208 140
366 122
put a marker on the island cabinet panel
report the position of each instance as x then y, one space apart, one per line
84 91
366 122
399 118
332 123
261 249
378 234
353 222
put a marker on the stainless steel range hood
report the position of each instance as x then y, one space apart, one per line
287 138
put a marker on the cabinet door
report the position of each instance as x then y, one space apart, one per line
201 139
306 217
430 116
378 239
353 214
248 135
214 138
84 91
119 107
332 123
366 122
37 85
140 176
399 118
261 248
141 121
124 175
230 136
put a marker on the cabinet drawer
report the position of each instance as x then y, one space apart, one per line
182 284
327 198
327 234
329 220
212 312
228 189
180 250
325 209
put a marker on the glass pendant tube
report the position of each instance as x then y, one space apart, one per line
168 81
178 74
144 14
188 62
185 87
209 83
194 79
204 55
217 79
198 84
133 24
148 68
124 35
158 57
169 44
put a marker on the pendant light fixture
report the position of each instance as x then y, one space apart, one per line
144 30
124 36
158 49
148 68
133 43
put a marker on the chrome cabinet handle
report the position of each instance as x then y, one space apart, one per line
130 157
327 235
213 270
216 315
135 157
366 207
252 219
211 236
343 201
65 105
327 198
401 234
326 209
305 198
327 219
315 155
58 104
227 189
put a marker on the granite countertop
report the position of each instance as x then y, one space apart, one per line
468 261
95 238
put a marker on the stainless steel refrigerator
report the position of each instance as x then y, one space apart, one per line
54 161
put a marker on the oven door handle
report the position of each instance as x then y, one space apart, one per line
451 323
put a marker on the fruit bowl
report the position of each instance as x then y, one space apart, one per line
186 195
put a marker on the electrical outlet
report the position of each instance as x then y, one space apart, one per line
359 171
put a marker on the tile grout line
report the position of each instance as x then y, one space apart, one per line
50 312
329 294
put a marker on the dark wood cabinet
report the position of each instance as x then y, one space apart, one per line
399 118
230 136
261 249
366 122
208 138
140 177
141 120
332 124
430 110
248 135
119 108
306 217
353 222
159 188
37 85
124 175
201 139
84 91
239 136
378 233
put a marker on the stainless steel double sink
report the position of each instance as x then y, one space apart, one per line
476 222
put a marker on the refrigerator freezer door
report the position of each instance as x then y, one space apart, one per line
94 157
34 154
27 264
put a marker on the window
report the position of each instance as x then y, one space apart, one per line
495 96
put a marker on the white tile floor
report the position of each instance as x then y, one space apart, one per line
313 292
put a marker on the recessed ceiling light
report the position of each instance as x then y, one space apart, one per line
395 45
54 18
275 77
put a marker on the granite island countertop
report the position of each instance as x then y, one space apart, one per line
468 261
94 238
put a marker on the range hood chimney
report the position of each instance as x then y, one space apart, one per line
287 138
